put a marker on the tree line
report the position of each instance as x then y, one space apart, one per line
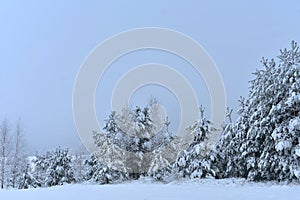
263 144
12 153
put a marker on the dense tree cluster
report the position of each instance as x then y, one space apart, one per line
131 141
264 142
262 145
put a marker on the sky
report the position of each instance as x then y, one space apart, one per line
44 43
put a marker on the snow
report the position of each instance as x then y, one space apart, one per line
297 151
297 173
197 149
283 145
294 124
191 189
294 98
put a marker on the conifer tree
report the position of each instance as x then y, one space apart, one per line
265 145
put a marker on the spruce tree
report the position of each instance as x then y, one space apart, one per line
265 145
53 168
101 173
193 162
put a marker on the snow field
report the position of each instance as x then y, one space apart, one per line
233 189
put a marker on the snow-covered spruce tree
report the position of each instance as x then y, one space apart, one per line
221 154
27 180
153 138
60 170
265 145
143 123
193 163
138 135
163 157
135 130
131 139
41 163
53 168
101 173
106 164
214 160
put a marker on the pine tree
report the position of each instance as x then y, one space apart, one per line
130 145
53 168
101 173
60 170
193 163
220 155
111 126
266 140
142 121
27 180
166 143
41 164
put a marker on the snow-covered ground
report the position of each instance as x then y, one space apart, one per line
140 190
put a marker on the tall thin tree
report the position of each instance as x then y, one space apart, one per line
4 151
18 158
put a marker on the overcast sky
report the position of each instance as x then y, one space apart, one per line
43 44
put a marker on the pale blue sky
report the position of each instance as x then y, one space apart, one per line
43 44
